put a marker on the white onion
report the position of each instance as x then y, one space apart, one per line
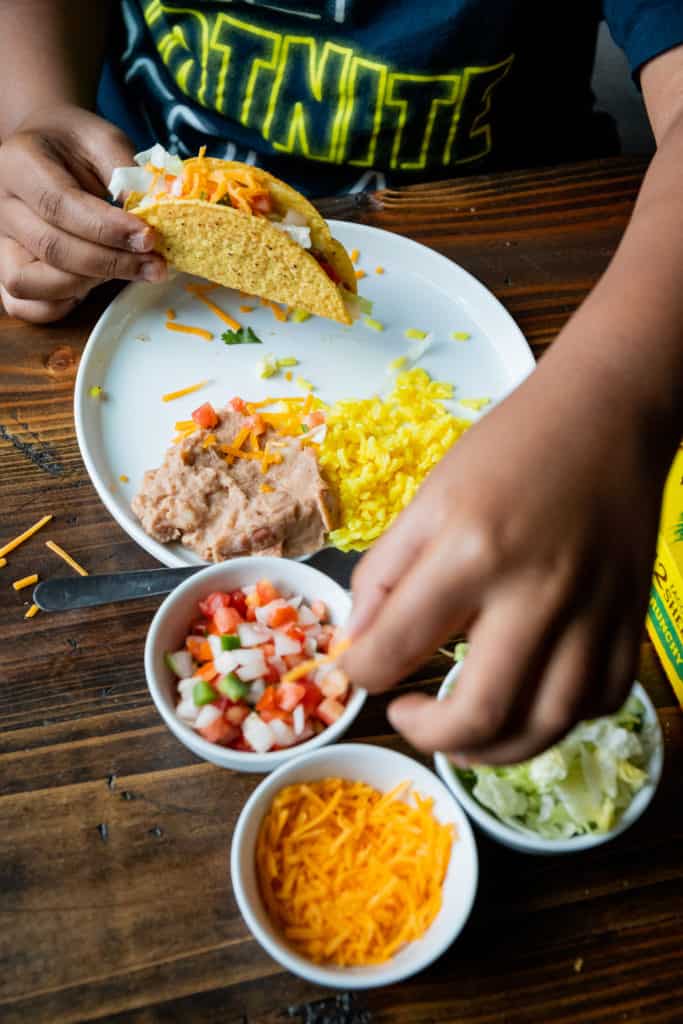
252 665
306 616
207 716
187 710
294 217
227 661
177 187
161 158
264 613
285 644
256 691
216 645
284 736
252 634
300 235
186 686
129 179
257 734
298 719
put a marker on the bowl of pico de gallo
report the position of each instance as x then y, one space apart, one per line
240 661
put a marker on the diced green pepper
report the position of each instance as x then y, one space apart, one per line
300 315
230 643
232 687
203 693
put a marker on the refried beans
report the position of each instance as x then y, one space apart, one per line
219 510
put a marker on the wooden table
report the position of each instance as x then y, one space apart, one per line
114 894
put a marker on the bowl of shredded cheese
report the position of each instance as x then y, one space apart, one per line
353 866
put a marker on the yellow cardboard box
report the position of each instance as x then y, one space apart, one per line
665 612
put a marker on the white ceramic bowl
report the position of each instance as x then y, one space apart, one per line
525 842
383 769
168 630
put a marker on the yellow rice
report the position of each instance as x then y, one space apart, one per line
377 452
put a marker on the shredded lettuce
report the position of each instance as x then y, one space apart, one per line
582 785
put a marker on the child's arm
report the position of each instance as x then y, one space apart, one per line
58 235
536 533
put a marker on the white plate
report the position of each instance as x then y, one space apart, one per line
136 360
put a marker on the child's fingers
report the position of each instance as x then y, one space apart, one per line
55 196
36 312
383 565
55 247
431 601
25 277
505 661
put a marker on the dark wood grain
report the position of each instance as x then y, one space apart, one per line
115 901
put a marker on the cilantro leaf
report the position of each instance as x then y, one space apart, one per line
245 336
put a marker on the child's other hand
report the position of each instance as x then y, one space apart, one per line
59 237
536 535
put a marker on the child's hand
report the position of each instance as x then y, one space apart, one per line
59 237
536 535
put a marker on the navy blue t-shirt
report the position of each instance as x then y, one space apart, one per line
349 94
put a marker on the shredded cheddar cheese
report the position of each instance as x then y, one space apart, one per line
33 610
3 563
360 274
12 544
26 581
187 329
67 558
124 478
349 875
246 309
312 664
278 313
198 293
379 270
209 441
170 314
171 396
266 489
354 255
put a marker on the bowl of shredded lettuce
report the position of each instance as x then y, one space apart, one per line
582 792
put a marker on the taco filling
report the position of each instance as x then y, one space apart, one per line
243 205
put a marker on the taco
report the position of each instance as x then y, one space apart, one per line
241 227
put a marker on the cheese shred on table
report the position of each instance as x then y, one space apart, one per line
349 875
66 557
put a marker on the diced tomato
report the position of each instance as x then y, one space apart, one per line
316 418
296 633
223 703
268 699
312 697
227 620
289 695
335 684
238 404
319 609
199 627
207 672
329 270
199 649
242 744
271 675
268 651
292 660
262 204
239 602
205 416
266 592
251 614
329 710
216 600
220 731
268 714
237 713
282 615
